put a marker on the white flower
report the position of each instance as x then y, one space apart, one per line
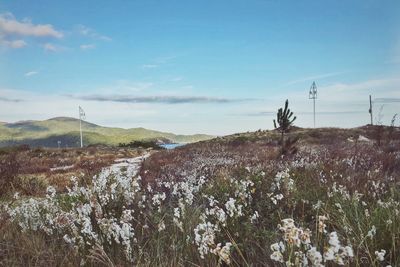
205 237
16 195
68 240
50 192
366 212
321 223
317 205
349 251
254 217
329 254
334 240
230 207
372 232
177 213
277 256
224 253
315 257
161 226
380 255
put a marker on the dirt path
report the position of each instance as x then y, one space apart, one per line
129 163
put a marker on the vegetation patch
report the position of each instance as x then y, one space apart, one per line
222 202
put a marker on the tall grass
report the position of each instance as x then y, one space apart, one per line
218 205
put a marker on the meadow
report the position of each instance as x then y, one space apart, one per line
229 201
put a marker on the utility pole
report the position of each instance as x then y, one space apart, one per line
313 95
370 109
82 116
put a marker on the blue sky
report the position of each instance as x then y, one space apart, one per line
199 66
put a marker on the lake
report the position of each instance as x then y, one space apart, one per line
172 146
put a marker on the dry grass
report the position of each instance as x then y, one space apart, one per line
327 160
30 171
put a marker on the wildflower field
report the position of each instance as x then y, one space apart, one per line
230 201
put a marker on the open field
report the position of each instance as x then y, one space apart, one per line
30 170
232 200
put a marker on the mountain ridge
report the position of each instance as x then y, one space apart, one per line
48 132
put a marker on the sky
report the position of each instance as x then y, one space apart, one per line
215 67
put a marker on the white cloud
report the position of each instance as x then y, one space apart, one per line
31 73
24 105
157 62
164 59
86 31
10 26
165 99
87 46
176 79
350 90
149 66
15 44
124 87
49 47
313 78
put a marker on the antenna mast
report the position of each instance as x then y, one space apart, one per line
370 109
313 95
82 116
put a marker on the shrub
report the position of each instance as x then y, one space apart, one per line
9 169
285 119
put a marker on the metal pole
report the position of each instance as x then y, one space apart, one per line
314 112
370 109
313 95
80 125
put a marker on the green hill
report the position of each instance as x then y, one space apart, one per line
48 132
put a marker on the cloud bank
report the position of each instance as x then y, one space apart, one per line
12 31
87 46
6 99
31 73
387 100
10 26
158 99
88 32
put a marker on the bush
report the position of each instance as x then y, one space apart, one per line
142 144
9 169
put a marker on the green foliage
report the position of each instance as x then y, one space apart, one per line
285 119
142 144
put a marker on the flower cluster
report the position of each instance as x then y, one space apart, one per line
97 215
296 248
219 208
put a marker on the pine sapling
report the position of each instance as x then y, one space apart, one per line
285 119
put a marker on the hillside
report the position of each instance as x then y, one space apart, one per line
48 132
339 188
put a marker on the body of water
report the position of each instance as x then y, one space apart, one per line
172 146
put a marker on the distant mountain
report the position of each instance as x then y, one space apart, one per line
48 132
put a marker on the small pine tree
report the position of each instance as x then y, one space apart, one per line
285 119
